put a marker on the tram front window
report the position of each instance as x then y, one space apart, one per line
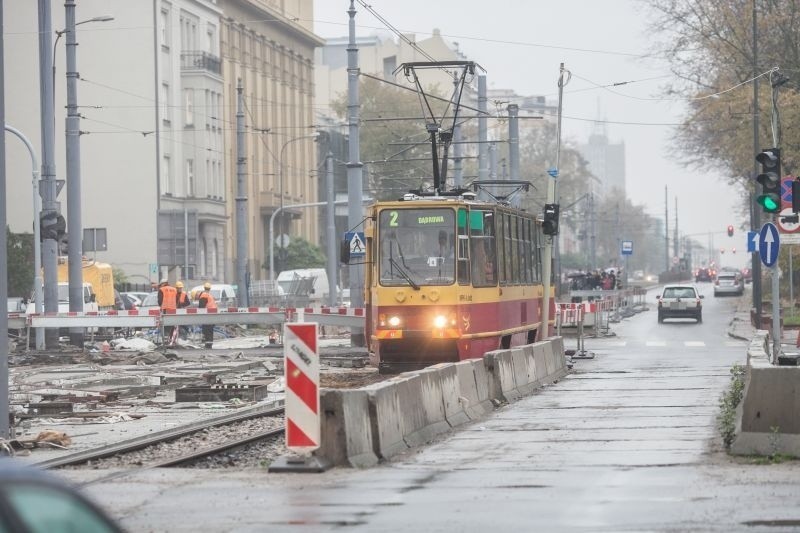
416 247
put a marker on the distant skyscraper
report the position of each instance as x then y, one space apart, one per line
606 160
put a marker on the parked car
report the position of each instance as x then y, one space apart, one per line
150 302
729 282
123 302
224 294
35 500
137 297
680 301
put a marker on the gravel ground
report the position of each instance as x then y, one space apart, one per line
253 455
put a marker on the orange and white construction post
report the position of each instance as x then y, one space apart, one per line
301 367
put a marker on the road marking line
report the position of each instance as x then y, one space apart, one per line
656 343
694 343
735 343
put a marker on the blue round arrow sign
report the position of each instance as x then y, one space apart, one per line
768 244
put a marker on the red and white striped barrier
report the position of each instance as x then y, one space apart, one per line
301 367
151 318
105 319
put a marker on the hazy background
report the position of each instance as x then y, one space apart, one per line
521 44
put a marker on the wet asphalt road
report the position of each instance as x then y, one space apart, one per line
626 443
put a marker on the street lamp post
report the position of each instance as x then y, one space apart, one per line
74 226
280 208
37 245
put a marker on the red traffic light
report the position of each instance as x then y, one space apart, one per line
730 230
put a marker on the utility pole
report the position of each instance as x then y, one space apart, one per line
333 282
73 145
4 430
513 141
241 200
551 196
458 171
675 231
483 130
593 236
50 207
755 214
666 230
355 185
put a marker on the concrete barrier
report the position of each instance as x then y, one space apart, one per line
454 411
423 417
359 426
386 415
523 379
502 387
558 357
540 361
468 388
346 438
768 416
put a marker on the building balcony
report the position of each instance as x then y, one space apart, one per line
196 60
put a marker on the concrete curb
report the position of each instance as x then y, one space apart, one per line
454 412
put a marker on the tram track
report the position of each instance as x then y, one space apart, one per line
122 448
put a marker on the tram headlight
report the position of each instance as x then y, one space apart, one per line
391 321
440 321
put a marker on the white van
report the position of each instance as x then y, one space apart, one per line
292 280
224 294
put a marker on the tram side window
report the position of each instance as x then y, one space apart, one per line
482 247
463 264
501 249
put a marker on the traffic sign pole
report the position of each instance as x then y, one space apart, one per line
768 249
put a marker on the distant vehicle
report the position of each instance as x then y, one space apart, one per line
729 282
703 274
317 278
149 302
680 301
747 275
638 274
16 304
224 294
124 302
137 296
89 301
98 276
34 500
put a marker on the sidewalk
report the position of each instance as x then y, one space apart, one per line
741 328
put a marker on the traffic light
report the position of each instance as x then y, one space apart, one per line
770 180
550 223
730 230
722 250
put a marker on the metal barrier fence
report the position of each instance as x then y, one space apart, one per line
153 318
573 314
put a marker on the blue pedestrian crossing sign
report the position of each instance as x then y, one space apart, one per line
356 240
769 244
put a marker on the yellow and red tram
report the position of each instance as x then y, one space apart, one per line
450 278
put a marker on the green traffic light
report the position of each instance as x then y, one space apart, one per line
769 202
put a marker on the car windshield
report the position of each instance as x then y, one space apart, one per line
416 246
679 292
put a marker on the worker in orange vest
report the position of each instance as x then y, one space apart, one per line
167 301
206 301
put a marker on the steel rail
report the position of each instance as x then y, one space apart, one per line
193 456
138 443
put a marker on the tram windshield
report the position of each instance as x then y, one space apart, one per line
416 247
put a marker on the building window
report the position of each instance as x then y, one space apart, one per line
208 178
211 40
164 28
214 255
165 103
190 178
166 176
188 96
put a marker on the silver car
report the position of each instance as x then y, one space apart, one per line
728 282
680 301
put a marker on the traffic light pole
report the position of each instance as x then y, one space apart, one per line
755 214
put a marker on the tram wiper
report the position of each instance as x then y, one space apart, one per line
403 273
